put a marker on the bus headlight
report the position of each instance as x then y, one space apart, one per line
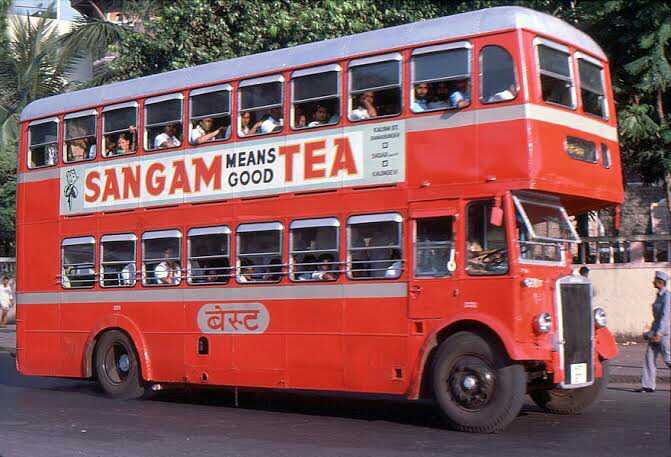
600 317
543 323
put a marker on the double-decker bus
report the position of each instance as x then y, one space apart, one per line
387 212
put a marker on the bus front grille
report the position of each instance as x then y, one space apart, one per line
577 328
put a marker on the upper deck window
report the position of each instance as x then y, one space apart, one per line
80 136
43 146
117 260
209 258
316 96
78 261
260 252
441 77
556 75
119 129
163 122
261 106
498 75
374 246
161 257
375 87
210 114
314 249
591 88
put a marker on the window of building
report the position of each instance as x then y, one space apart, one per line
486 250
210 114
374 247
208 255
497 75
119 129
117 260
78 262
316 96
80 136
434 251
441 77
556 75
161 258
260 252
261 106
375 87
591 88
163 122
314 247
43 143
580 149
605 156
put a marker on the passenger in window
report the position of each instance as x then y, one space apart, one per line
459 98
128 275
421 101
246 125
301 120
441 97
394 270
167 139
365 108
168 271
325 269
504 95
205 131
271 122
125 144
322 116
79 150
274 270
246 272
307 268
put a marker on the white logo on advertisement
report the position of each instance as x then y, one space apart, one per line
233 318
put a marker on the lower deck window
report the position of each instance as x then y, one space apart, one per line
78 263
117 260
208 251
374 246
161 257
260 252
487 249
314 250
433 247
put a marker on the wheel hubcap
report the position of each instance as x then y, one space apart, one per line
471 383
116 364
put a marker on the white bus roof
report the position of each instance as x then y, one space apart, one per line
444 28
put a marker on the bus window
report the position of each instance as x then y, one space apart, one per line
80 137
375 87
487 251
119 131
117 260
591 88
316 96
441 77
314 249
556 75
433 246
260 252
497 75
208 255
43 147
210 114
78 262
374 246
161 258
261 106
605 156
163 122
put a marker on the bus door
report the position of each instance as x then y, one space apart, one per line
432 287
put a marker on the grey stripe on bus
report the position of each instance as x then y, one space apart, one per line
314 291
38 175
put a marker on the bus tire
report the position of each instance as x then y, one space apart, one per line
572 401
117 366
475 385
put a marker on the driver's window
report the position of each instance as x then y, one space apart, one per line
486 250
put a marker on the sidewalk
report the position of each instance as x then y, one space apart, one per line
8 338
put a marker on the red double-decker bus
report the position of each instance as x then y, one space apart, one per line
388 212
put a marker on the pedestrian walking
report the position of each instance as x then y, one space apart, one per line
6 300
658 337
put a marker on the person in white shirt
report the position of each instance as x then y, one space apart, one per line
168 138
421 102
6 300
272 122
204 132
323 117
366 107
168 271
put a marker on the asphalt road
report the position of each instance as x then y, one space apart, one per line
54 417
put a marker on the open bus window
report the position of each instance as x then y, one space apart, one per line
261 107
163 122
208 255
591 88
43 146
441 77
374 246
314 249
316 97
161 257
78 262
117 260
210 114
80 137
498 75
375 87
486 249
119 131
556 76
433 246
260 252
544 228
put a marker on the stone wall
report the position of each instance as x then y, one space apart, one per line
635 210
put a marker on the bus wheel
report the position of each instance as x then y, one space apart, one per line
572 401
475 386
117 366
